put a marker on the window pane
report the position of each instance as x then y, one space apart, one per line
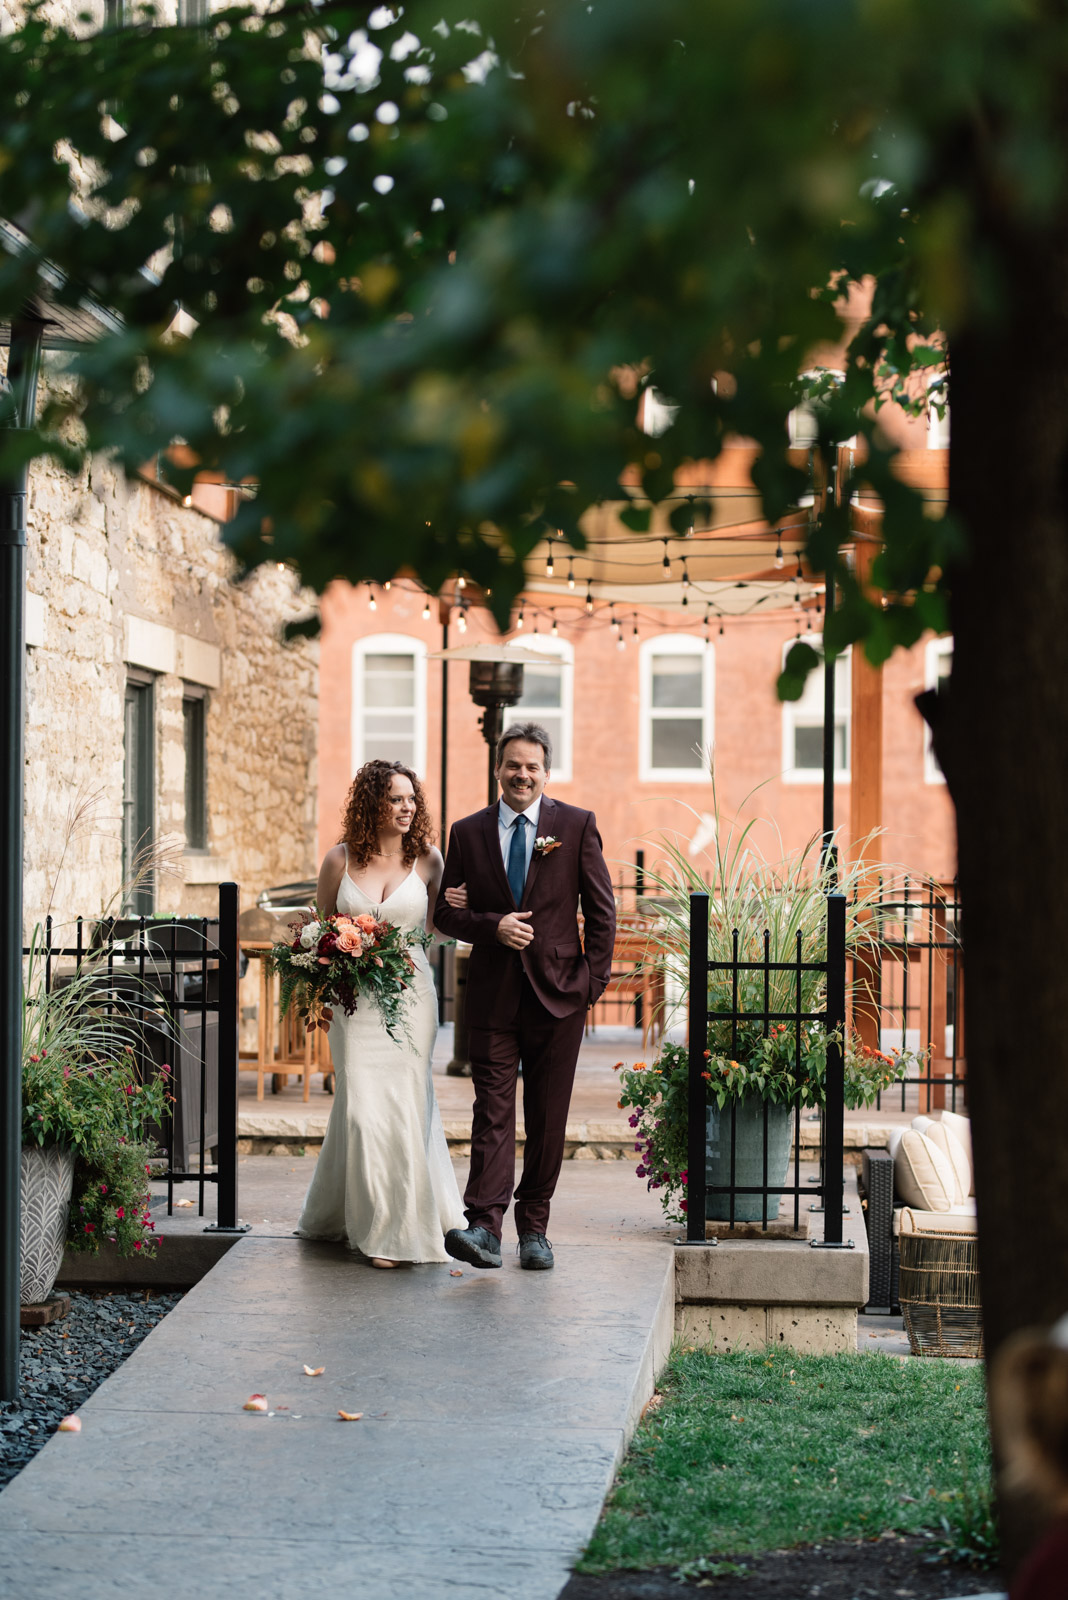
542 686
677 743
808 747
389 747
677 681
196 819
389 680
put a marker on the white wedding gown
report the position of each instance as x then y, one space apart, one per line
384 1182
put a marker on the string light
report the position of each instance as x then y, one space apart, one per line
519 619
721 627
689 530
461 582
667 561
461 621
798 575
372 603
549 569
621 643
634 630
685 575
387 586
570 573
778 556
589 601
426 610
554 630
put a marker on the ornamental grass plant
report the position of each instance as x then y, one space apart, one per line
85 1043
766 1043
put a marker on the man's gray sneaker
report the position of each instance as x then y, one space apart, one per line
477 1246
535 1252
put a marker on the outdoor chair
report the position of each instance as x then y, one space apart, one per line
922 1184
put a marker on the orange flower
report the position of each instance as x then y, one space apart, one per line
707 1076
617 1066
619 1105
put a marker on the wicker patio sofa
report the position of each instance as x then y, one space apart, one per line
922 1184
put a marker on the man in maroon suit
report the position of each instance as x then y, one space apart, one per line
527 864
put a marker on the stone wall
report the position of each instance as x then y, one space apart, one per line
122 579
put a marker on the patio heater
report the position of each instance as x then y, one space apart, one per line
494 685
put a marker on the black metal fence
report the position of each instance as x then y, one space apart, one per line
741 981
914 991
177 978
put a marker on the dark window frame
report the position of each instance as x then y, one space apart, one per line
138 786
195 747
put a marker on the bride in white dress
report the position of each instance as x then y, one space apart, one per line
384 1182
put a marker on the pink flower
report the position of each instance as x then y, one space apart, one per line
120 1212
349 940
137 1244
103 1188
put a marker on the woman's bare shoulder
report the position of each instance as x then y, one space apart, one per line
431 863
335 857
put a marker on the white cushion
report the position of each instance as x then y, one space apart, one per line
961 1128
923 1174
941 1134
960 1219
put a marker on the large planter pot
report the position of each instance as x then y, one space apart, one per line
748 1115
47 1181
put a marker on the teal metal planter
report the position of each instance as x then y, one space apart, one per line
749 1173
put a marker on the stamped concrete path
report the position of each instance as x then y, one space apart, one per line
495 1405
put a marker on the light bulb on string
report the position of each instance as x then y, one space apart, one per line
461 582
554 630
666 563
778 556
570 573
689 530
372 603
387 586
461 621
798 575
519 619
808 626
549 569
634 630
589 601
426 611
621 643
535 622
721 627
685 574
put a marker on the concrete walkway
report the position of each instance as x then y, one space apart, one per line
495 1405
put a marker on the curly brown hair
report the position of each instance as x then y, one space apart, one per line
366 808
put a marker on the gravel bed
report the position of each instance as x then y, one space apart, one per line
62 1364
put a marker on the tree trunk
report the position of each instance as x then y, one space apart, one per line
1002 739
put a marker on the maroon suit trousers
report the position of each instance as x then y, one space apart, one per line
548 1048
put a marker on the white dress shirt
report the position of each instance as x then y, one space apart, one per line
505 824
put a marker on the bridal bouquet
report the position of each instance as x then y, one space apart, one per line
336 960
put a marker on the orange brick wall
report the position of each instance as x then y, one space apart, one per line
748 734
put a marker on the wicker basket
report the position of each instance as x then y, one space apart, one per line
940 1294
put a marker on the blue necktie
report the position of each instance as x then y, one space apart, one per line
517 859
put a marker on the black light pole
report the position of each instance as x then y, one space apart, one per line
20 409
828 854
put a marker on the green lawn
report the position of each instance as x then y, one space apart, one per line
760 1451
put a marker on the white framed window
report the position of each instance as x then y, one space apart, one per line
548 698
937 662
676 708
802 722
389 700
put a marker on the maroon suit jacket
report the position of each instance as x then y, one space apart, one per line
564 977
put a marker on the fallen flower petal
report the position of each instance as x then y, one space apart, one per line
454 1272
256 1402
314 1372
350 1416
183 1202
70 1425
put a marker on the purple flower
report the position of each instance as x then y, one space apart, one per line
634 1120
640 1171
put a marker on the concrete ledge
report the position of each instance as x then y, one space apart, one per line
815 1330
183 1260
776 1272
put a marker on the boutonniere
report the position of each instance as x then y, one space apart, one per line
546 845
